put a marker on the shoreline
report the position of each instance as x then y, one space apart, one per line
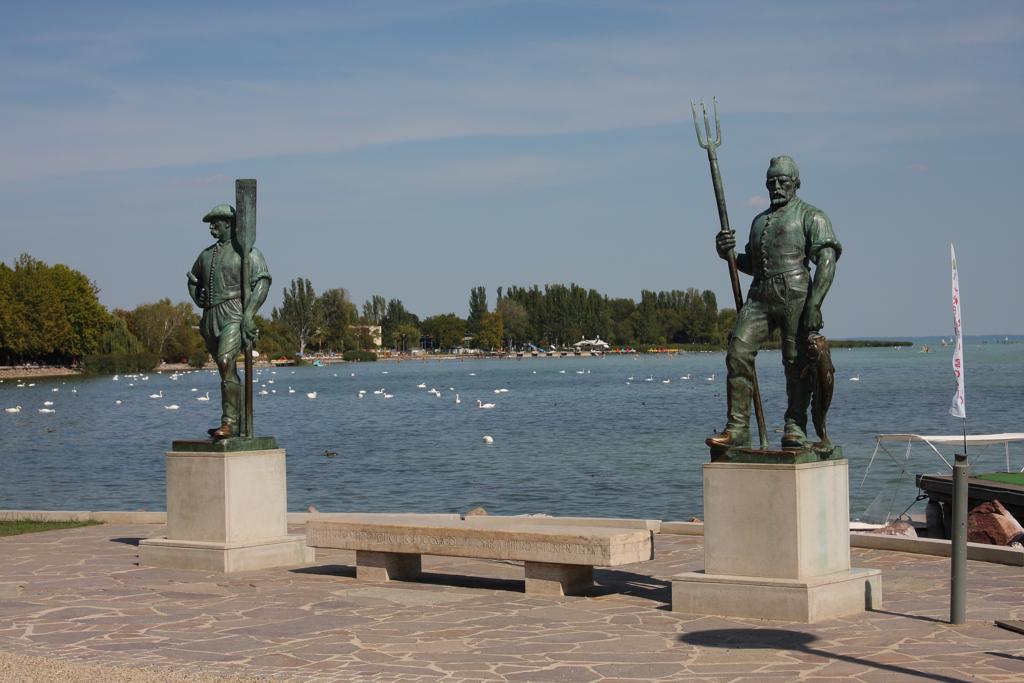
15 372
19 372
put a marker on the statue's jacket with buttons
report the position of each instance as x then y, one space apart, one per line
781 245
219 289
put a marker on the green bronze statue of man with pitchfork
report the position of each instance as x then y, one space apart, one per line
784 240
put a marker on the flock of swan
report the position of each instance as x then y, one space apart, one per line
266 389
47 408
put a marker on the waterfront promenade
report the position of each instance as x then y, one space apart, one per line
79 599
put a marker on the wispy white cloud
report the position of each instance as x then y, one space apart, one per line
527 87
756 201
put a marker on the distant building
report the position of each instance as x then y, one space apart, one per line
372 331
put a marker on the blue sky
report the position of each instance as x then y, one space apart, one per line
416 149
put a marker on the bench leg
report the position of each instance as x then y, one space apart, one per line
543 578
377 566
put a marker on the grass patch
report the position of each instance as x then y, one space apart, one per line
29 527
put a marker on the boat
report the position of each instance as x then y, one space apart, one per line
984 483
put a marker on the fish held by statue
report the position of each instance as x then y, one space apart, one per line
822 382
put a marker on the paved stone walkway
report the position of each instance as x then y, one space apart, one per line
79 596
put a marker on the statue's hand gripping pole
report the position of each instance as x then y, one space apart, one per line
711 143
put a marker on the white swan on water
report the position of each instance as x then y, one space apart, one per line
173 406
485 406
15 409
310 395
204 398
47 410
159 394
457 399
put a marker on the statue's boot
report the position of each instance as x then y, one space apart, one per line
230 402
225 431
798 392
739 392
729 438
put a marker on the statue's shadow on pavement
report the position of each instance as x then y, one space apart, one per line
793 641
606 582
126 540
610 581
426 578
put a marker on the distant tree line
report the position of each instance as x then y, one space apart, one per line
52 314
556 314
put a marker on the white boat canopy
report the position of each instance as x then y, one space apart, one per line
944 440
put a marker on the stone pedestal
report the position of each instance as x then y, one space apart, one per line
777 545
226 509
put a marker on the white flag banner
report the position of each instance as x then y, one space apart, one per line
958 408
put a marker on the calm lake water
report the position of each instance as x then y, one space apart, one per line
572 436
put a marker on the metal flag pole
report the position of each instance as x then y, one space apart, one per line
711 144
245 234
961 468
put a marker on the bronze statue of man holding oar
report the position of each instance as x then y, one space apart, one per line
784 239
229 282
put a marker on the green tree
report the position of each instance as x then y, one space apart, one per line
86 316
6 310
374 309
166 329
447 330
117 339
405 337
396 316
477 309
492 331
621 311
275 340
300 312
37 319
339 313
515 321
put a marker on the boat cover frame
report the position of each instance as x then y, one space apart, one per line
979 440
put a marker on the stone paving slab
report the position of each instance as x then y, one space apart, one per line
79 599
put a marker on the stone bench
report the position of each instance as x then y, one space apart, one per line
558 559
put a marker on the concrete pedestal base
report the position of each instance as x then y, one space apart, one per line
805 601
227 511
225 557
777 545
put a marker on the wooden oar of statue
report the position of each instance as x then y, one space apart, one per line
245 238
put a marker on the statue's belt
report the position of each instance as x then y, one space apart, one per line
224 298
764 278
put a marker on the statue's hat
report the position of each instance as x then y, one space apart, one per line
220 211
783 165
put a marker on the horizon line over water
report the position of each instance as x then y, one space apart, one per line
616 436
